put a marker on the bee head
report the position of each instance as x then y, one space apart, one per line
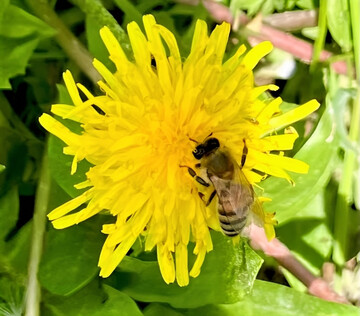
206 148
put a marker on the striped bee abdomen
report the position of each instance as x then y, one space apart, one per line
230 223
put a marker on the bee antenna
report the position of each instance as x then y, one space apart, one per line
193 140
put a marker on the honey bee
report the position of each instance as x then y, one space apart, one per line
235 194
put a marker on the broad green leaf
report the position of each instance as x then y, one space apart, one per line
320 153
272 299
338 19
92 300
70 257
227 274
20 33
9 211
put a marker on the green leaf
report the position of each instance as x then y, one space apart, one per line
59 163
92 300
3 6
314 242
272 299
155 309
320 153
11 296
17 23
95 43
338 20
227 274
307 4
17 249
130 10
14 154
60 166
70 258
9 211
20 33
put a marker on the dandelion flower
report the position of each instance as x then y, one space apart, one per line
137 135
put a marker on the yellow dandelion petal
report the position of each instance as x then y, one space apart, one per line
74 164
117 54
268 111
139 45
62 110
217 43
106 74
113 256
195 270
78 217
83 185
166 263
170 40
293 115
71 205
181 259
141 132
233 61
259 90
56 128
199 42
71 87
65 221
253 177
259 51
84 90
277 142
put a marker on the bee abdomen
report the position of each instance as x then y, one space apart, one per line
231 224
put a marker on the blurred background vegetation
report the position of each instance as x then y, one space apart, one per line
316 55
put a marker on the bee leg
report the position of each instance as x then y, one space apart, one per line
197 178
212 195
201 195
244 154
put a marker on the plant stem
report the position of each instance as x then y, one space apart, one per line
95 10
69 43
320 39
292 20
341 222
277 250
33 293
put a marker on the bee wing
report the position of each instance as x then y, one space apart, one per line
236 197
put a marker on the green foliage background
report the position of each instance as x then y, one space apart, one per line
318 218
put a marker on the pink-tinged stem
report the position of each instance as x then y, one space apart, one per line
277 250
282 40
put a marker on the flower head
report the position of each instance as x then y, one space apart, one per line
139 133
